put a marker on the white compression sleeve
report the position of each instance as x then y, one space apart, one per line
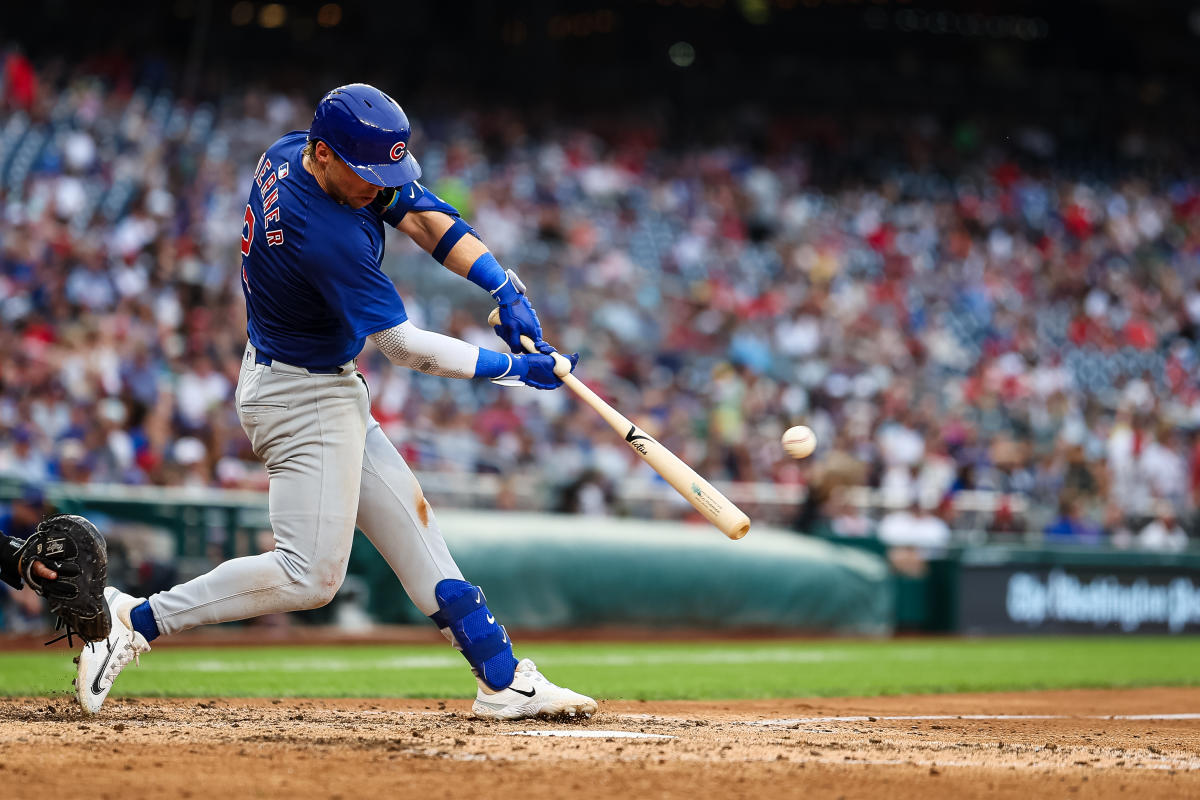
406 345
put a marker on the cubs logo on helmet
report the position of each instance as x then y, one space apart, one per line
369 131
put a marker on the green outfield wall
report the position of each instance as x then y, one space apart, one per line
559 571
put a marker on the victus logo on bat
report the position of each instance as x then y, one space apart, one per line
635 437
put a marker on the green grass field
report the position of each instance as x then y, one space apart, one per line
672 671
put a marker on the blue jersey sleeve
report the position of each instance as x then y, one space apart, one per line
392 205
348 274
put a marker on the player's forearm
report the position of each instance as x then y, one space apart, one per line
406 345
448 239
455 244
466 251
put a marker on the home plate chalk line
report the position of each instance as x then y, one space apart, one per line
590 734
910 717
875 717
896 762
1187 765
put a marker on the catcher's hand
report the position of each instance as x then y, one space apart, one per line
72 548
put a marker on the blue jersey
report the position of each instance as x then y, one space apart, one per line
311 267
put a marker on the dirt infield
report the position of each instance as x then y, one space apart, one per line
1048 744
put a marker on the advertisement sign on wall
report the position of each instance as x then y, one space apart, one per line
1020 598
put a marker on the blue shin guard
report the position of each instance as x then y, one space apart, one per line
463 609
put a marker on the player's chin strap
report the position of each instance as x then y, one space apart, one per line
473 629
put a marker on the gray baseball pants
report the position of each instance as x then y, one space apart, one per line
330 467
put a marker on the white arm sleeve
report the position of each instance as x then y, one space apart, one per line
406 345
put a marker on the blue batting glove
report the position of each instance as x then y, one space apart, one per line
517 317
536 370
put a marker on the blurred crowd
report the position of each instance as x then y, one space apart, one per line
952 307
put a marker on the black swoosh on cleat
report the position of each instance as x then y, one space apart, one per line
96 681
530 693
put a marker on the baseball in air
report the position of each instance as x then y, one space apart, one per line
799 441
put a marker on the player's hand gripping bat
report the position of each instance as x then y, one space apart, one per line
715 507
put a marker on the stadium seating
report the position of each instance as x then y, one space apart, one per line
718 292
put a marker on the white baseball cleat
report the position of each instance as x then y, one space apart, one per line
531 695
101 662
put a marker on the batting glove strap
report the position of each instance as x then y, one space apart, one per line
514 374
510 290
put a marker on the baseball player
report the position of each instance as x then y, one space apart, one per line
312 246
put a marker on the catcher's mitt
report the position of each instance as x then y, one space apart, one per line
72 547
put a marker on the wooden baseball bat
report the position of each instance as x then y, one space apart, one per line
715 507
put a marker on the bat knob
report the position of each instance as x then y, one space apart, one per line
562 367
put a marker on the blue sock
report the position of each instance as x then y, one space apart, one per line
143 621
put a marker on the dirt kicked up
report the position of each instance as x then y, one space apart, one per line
1089 743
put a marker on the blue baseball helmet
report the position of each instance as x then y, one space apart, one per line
369 131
